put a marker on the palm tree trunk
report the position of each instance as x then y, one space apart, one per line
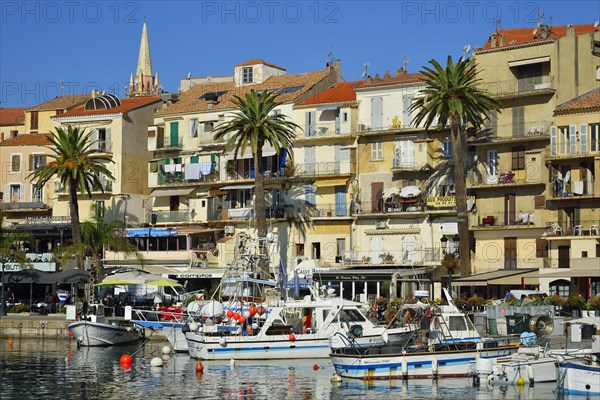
75 224
460 188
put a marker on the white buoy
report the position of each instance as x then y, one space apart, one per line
530 374
166 357
223 342
404 367
434 367
156 362
336 378
166 349
193 327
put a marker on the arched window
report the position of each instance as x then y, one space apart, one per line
559 287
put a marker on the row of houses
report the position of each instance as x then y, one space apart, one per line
376 191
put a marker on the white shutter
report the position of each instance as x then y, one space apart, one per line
6 195
22 192
572 139
553 134
94 139
583 138
108 141
194 127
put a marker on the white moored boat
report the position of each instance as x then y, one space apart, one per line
97 330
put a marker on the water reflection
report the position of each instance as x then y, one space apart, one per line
58 369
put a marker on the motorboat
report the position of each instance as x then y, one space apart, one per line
451 344
94 329
579 375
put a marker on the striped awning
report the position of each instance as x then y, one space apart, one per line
327 108
331 182
529 61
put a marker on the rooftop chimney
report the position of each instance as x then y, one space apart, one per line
570 30
387 74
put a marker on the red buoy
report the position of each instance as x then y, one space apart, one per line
199 367
126 359
242 319
252 310
292 337
236 316
316 367
229 313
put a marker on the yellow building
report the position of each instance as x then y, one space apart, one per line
571 245
38 119
530 72
12 123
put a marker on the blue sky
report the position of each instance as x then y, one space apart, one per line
95 44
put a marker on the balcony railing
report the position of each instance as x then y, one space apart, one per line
396 257
324 168
577 228
167 144
399 163
172 216
405 206
571 189
522 218
503 178
23 205
324 129
331 210
517 87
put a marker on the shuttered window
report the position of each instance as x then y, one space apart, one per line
518 158
34 120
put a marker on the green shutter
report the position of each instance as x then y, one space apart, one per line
174 134
194 159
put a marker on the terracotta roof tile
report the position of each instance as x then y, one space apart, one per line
589 100
520 36
126 105
396 80
12 116
255 61
340 93
30 139
191 101
63 102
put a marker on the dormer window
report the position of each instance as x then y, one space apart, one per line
247 75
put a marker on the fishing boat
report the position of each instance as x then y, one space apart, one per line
288 330
452 342
94 329
579 376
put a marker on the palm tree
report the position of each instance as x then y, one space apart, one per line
78 166
98 235
254 125
451 96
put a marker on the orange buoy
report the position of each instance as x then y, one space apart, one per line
126 360
316 367
70 334
199 366
292 337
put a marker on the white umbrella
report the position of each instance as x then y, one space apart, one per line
408 192
389 192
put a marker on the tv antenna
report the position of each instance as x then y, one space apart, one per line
62 87
596 24
497 22
366 66
405 63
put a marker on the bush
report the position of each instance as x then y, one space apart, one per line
594 303
475 301
556 300
18 309
576 302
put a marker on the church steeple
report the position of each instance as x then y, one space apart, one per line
144 82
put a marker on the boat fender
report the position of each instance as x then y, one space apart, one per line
434 367
223 342
336 378
488 380
530 375
404 368
185 329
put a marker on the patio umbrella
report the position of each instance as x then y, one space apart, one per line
163 282
115 282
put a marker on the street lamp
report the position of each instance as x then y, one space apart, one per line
450 258
4 260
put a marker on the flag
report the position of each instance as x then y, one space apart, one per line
296 284
282 278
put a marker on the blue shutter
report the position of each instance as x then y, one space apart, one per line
340 201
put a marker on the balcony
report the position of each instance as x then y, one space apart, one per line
492 220
503 179
406 207
393 257
172 216
324 130
23 205
167 144
572 190
324 168
527 87
331 210
561 229
563 153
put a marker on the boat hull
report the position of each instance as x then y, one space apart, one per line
270 347
576 378
171 330
101 334
413 365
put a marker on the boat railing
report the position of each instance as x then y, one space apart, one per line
174 315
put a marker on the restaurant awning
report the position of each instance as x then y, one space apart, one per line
331 182
152 232
572 273
501 277
171 192
239 187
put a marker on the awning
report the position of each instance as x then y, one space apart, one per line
153 232
239 187
190 230
171 192
331 182
327 108
501 277
529 61
572 273
70 276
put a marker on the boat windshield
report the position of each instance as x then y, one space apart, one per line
351 316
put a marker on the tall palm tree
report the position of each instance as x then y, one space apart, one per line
97 235
78 166
452 96
254 125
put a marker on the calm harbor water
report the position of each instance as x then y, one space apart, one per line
57 369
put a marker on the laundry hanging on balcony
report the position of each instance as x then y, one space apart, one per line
192 171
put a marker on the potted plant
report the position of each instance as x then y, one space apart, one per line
387 258
366 260
230 169
475 301
576 303
593 305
